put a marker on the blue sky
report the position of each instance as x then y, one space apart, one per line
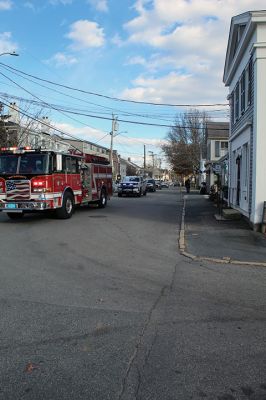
159 51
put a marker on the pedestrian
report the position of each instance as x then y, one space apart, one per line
187 185
203 189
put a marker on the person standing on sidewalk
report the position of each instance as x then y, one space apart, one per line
187 185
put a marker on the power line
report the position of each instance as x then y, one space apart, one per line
44 103
110 97
43 123
151 116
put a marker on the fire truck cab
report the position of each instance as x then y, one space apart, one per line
39 180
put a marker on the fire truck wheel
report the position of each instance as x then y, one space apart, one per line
67 208
15 215
103 199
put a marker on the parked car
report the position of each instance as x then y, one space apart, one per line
134 185
158 185
150 185
164 185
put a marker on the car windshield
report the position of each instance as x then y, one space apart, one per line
131 179
23 164
150 181
8 164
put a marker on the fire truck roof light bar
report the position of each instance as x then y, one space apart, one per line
17 150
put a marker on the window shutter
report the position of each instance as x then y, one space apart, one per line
217 148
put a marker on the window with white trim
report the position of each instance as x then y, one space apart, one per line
217 148
236 97
249 74
243 92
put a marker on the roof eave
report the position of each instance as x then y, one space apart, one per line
230 69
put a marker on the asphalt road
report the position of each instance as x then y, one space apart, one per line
102 306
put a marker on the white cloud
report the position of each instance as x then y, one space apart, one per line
86 34
177 88
126 146
117 41
99 5
62 59
87 133
137 60
5 5
6 43
188 42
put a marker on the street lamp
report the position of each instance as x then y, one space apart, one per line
13 53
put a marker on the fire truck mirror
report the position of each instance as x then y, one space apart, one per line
59 162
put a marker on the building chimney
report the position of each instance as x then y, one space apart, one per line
45 126
13 113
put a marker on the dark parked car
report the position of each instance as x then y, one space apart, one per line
158 185
151 185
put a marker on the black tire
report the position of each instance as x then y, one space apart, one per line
15 215
102 203
139 194
67 209
144 193
119 194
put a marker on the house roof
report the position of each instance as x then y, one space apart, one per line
129 162
241 29
84 141
215 130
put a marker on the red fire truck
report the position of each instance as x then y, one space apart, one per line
40 180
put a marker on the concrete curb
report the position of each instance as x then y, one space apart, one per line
224 260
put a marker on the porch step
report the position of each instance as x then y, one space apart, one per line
230 213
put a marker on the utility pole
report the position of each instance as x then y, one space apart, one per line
144 164
114 129
152 156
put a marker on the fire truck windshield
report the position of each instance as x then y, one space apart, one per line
27 163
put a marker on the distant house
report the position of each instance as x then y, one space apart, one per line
132 168
245 75
88 147
216 134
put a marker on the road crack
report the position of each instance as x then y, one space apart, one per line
139 343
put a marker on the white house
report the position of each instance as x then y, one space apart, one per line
216 134
245 75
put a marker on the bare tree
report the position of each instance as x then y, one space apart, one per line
20 131
186 142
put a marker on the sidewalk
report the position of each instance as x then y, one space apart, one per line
205 237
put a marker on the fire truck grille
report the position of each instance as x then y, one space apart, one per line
17 189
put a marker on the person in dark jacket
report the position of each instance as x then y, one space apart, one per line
203 189
187 185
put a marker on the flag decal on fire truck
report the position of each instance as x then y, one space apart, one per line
17 189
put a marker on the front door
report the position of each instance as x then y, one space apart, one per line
238 180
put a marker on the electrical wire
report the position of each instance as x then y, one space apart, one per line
152 116
46 104
44 123
110 97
